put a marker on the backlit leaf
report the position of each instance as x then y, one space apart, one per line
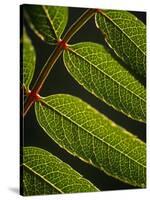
94 68
126 35
89 135
48 22
44 173
28 60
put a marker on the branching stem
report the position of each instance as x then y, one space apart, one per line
61 45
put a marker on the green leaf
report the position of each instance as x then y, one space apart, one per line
126 35
29 58
89 135
48 22
94 68
44 173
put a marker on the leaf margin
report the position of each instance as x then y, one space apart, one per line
134 138
139 118
64 166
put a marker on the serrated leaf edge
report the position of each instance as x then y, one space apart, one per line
119 110
116 25
42 177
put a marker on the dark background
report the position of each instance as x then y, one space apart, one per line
60 81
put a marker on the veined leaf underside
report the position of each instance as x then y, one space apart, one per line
87 134
29 58
46 174
48 22
126 35
94 68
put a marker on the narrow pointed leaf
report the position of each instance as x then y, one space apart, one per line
46 174
48 22
94 68
89 135
28 60
126 35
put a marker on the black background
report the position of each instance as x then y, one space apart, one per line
60 81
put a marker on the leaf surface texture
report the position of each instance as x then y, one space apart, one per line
29 59
46 174
126 35
48 22
94 68
89 135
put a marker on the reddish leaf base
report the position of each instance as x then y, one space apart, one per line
98 10
62 44
34 96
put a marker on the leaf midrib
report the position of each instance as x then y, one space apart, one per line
44 179
70 49
50 21
113 22
62 114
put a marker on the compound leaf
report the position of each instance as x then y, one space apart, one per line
44 173
94 68
126 35
48 22
29 59
89 135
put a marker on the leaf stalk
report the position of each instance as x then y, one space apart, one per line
55 55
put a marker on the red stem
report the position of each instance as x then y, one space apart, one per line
61 45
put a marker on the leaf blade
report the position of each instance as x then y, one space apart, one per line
87 134
126 35
46 174
52 20
29 59
99 73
